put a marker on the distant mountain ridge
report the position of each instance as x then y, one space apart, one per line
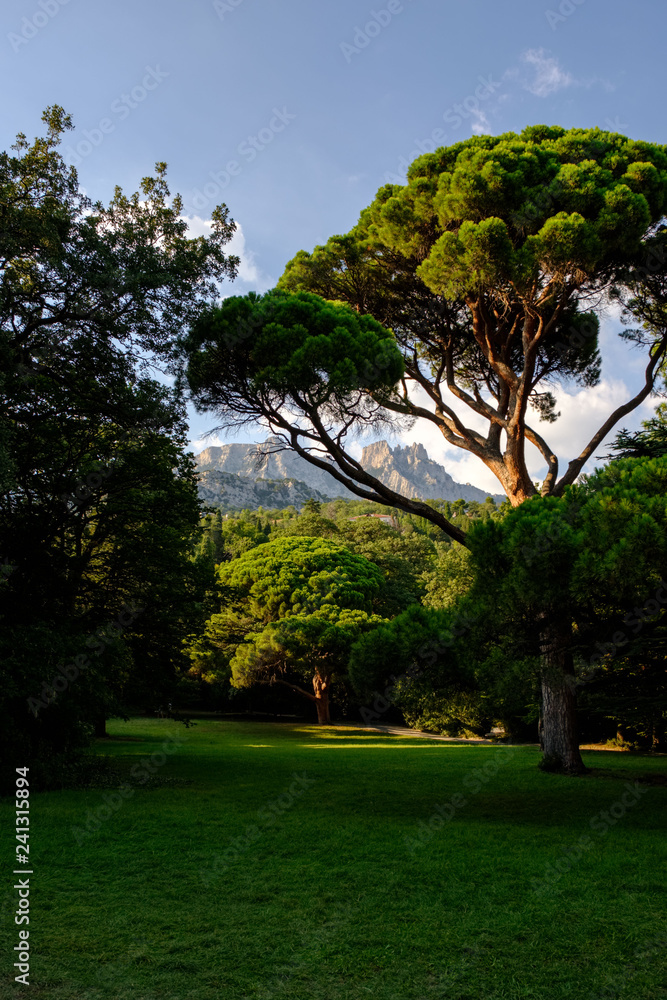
240 475
222 489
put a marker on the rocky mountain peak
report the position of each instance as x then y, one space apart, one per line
375 454
405 469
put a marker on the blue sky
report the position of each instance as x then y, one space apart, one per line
294 113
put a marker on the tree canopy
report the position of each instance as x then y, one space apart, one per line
488 265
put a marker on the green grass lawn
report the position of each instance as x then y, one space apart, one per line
214 880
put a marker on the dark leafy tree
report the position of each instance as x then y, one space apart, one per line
561 578
98 502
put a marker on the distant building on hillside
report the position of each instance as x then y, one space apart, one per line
385 518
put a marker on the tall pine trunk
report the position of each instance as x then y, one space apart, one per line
559 737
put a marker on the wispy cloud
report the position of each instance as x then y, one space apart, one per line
547 77
480 124
249 271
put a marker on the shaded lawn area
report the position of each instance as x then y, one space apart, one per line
216 880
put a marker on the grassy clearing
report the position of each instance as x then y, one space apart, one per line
209 884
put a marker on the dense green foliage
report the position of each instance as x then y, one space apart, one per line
291 609
105 600
593 561
278 345
408 554
651 442
454 665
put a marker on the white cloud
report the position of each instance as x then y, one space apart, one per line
480 124
249 272
582 413
206 442
547 77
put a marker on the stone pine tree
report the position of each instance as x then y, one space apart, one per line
292 609
488 267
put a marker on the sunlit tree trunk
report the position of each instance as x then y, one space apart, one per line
321 689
